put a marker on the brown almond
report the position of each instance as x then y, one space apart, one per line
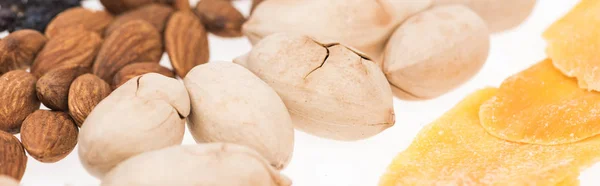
53 87
137 69
134 41
18 49
49 136
85 93
12 156
155 14
120 6
220 17
186 42
17 99
90 20
74 47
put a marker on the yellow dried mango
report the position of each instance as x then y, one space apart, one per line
456 150
541 106
574 44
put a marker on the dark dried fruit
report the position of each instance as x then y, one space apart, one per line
220 17
36 14
85 93
18 49
49 136
53 88
155 14
137 69
12 156
17 99
186 42
135 41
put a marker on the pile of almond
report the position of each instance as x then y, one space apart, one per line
83 56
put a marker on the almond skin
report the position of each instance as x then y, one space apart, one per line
120 6
84 94
134 41
53 88
17 95
90 20
18 49
130 71
49 136
12 158
72 47
220 17
186 42
155 14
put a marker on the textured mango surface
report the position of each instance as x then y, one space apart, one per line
456 150
573 44
540 105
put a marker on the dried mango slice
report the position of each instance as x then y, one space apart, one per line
573 44
456 150
542 106
570 181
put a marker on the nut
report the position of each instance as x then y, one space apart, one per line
73 47
205 164
18 49
49 136
84 94
134 41
220 17
8 181
254 4
136 69
329 90
53 88
430 55
186 42
155 14
499 15
362 24
12 156
120 6
17 95
221 90
146 113
90 20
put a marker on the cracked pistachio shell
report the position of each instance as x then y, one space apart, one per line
329 90
499 15
363 24
146 113
219 164
435 51
221 90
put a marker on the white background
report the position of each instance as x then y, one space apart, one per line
321 162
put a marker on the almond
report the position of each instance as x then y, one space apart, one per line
134 41
18 49
120 6
137 69
49 136
12 156
90 20
155 14
186 42
17 95
53 88
84 94
220 17
70 48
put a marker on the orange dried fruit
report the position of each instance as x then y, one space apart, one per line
541 106
573 44
456 150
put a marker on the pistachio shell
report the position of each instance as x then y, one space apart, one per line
329 90
435 51
362 24
499 15
219 164
144 114
221 90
